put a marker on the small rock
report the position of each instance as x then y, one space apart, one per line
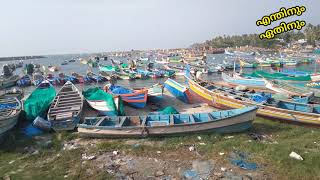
115 153
11 161
221 153
158 152
202 144
295 156
223 169
65 176
58 155
199 137
191 148
155 160
159 173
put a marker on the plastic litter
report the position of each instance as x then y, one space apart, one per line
295 156
191 174
30 130
240 159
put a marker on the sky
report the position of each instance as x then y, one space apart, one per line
43 27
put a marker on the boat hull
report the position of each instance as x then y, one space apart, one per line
224 101
233 124
177 90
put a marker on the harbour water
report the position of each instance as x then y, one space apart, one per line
56 60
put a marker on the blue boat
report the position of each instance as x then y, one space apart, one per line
230 121
177 90
134 98
249 82
24 81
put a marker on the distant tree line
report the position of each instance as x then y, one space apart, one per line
311 33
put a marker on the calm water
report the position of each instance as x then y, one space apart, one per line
56 60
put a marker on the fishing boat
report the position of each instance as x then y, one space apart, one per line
249 82
53 79
64 62
37 78
10 109
230 121
177 90
135 98
7 82
245 64
66 108
24 81
103 102
155 93
53 68
39 101
220 98
78 77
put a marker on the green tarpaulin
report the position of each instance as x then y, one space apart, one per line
98 94
38 103
279 76
168 110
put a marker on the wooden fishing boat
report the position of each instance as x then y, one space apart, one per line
10 109
6 82
238 80
37 78
78 77
103 102
134 98
245 64
66 108
221 99
177 90
230 121
39 101
155 93
24 81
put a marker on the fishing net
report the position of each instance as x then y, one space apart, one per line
38 102
98 94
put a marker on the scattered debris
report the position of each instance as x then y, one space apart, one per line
229 137
203 168
295 156
70 146
240 159
158 152
221 153
35 152
199 137
85 157
11 161
223 169
190 174
115 153
159 173
202 144
256 137
192 148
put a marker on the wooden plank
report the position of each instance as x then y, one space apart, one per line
171 119
100 121
192 118
211 118
62 111
123 119
69 104
144 120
